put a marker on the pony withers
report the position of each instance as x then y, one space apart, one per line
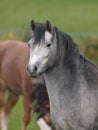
14 56
71 79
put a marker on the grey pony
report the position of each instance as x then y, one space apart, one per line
71 79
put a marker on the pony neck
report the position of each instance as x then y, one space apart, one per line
63 73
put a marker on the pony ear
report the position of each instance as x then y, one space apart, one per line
48 26
32 24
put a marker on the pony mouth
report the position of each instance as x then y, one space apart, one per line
35 76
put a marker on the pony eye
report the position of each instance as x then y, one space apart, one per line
48 45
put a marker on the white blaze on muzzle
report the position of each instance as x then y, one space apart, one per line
34 55
38 55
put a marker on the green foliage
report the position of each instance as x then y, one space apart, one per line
92 52
89 47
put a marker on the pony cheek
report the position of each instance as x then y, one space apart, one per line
42 67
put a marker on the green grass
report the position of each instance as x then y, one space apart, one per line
68 15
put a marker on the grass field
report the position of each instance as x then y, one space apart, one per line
71 16
68 15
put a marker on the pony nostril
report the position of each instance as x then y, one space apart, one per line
32 70
35 68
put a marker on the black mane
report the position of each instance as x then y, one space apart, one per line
39 32
73 50
71 47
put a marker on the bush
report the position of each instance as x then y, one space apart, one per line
89 47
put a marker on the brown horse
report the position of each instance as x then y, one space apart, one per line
13 77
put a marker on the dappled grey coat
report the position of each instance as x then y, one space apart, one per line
71 79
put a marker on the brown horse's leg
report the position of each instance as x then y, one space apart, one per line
27 110
11 101
2 92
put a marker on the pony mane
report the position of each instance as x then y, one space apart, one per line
73 50
70 47
39 32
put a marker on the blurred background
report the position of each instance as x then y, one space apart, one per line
78 18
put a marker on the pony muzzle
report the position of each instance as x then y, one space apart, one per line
32 70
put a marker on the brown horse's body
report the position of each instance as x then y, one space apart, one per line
13 76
